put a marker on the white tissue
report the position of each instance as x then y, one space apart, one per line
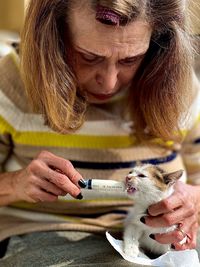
186 258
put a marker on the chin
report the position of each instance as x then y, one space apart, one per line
98 102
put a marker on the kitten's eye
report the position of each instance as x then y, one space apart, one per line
130 172
141 175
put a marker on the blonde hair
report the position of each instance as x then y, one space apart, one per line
160 87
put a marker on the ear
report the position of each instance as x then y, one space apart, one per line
172 177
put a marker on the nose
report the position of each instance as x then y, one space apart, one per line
128 178
107 78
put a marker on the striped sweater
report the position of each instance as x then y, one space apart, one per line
103 148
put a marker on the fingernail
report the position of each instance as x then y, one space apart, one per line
152 236
80 196
172 246
82 183
142 219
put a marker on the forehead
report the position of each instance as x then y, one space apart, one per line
141 168
94 36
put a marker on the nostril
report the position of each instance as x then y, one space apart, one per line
128 178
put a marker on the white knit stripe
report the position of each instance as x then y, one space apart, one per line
33 216
34 123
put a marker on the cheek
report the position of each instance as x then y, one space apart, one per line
127 73
84 73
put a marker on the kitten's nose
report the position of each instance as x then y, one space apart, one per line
128 178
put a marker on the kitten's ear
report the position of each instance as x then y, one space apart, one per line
171 177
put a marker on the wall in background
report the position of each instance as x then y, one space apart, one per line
195 15
12 13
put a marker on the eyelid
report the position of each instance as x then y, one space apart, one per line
95 58
88 56
130 60
141 175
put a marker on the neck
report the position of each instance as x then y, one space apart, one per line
144 201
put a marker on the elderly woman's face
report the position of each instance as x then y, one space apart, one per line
106 57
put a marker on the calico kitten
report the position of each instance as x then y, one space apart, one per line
146 184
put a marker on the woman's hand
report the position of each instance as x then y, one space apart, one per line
181 207
45 178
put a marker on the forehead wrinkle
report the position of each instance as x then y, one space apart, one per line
112 51
86 31
110 40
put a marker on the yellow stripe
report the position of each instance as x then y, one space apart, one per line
73 141
168 143
26 205
197 120
184 132
161 142
15 59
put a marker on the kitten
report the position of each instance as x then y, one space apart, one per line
146 184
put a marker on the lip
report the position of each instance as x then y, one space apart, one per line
101 96
130 188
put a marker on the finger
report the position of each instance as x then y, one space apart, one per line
170 218
191 241
173 202
58 179
176 236
168 238
62 182
49 187
39 195
63 165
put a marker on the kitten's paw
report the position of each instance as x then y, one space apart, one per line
131 251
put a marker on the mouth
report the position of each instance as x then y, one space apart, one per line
101 96
130 188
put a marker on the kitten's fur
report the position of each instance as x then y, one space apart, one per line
146 184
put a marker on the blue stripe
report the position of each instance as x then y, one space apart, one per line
118 212
96 215
197 141
89 184
120 165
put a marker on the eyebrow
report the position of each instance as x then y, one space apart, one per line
97 55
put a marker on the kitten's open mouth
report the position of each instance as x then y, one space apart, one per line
130 189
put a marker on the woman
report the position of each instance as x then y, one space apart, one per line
112 80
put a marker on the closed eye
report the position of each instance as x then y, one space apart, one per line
90 58
141 175
131 61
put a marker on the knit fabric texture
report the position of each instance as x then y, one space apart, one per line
104 148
